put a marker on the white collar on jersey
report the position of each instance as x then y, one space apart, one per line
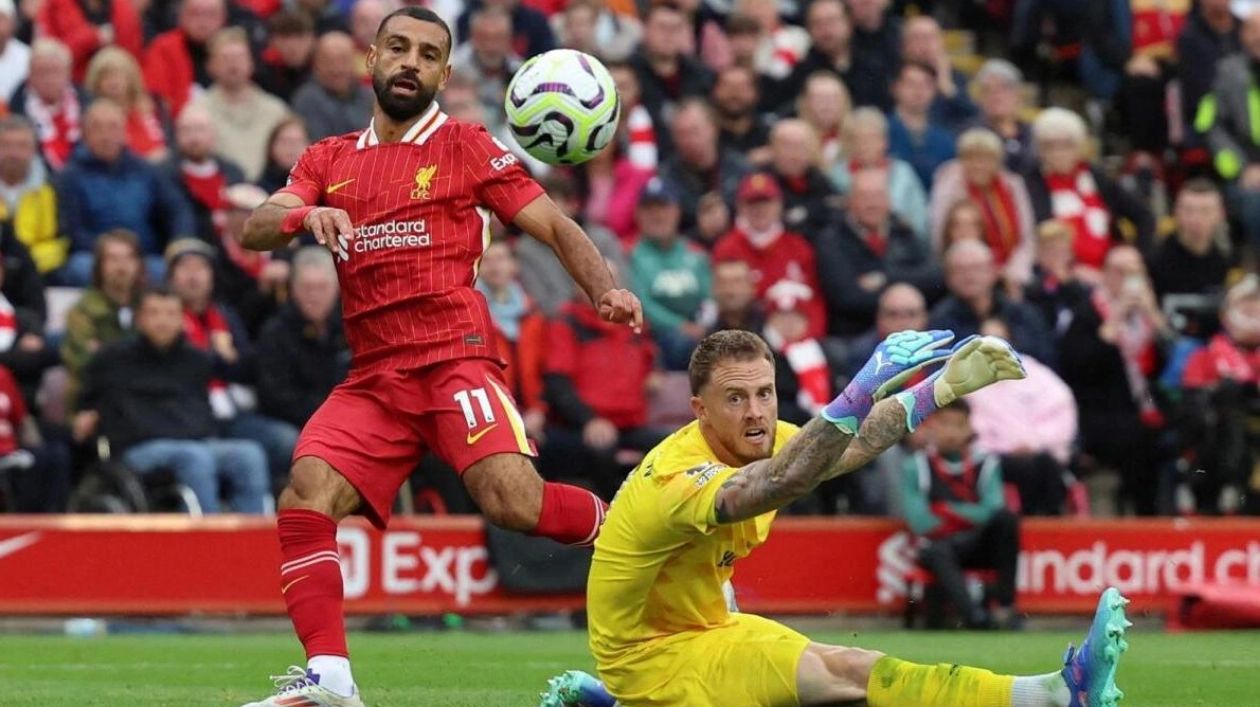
429 122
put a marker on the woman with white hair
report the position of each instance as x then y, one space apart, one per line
866 145
998 85
1000 196
1064 185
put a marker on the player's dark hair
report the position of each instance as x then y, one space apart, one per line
424 15
722 346
117 235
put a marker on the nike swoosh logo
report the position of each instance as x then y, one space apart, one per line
473 438
285 588
337 187
21 542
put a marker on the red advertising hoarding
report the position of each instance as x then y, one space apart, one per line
228 565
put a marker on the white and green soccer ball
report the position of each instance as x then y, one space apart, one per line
562 107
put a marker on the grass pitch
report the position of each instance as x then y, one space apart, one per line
508 670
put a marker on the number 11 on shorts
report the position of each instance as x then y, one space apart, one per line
465 398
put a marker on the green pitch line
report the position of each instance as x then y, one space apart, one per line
508 670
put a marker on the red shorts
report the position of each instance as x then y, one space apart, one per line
374 428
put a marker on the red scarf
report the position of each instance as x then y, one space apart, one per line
964 486
806 359
1001 220
1231 362
199 331
1074 198
208 186
58 131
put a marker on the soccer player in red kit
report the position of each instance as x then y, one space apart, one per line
405 206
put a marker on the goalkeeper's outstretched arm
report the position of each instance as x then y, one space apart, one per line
814 455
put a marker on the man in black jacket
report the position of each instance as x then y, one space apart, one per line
147 395
666 74
302 352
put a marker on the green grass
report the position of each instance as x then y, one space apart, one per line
507 670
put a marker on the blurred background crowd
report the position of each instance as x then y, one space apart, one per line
1079 176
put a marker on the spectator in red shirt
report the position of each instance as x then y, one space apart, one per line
115 74
87 26
175 62
783 263
38 476
594 413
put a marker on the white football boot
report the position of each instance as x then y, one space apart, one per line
300 688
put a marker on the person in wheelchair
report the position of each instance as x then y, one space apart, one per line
1221 414
147 395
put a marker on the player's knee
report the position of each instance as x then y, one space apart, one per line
851 666
316 486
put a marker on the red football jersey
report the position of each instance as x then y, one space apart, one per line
421 212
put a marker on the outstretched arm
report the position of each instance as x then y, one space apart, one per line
543 220
285 215
264 230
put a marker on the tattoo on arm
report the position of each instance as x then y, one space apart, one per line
883 428
793 473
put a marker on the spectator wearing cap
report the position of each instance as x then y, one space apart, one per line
699 165
1006 216
28 199
285 63
971 279
147 396
666 73
105 312
253 283
999 86
237 105
106 186
522 330
870 250
333 101
866 147
302 351
594 414
923 43
671 275
213 327
202 177
488 57
175 62
831 51
87 27
51 101
811 203
784 264
912 134
530 32
15 55
742 128
542 274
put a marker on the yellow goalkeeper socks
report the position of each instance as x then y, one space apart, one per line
896 683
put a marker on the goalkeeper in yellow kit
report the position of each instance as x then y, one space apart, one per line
660 628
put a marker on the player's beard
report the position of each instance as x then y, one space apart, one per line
402 108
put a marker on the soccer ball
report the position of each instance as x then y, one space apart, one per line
562 107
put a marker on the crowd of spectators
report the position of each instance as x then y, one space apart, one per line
1082 180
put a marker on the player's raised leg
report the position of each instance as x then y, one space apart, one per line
828 675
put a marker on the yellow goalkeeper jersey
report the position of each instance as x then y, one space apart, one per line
661 558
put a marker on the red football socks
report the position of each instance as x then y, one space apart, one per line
570 515
310 579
